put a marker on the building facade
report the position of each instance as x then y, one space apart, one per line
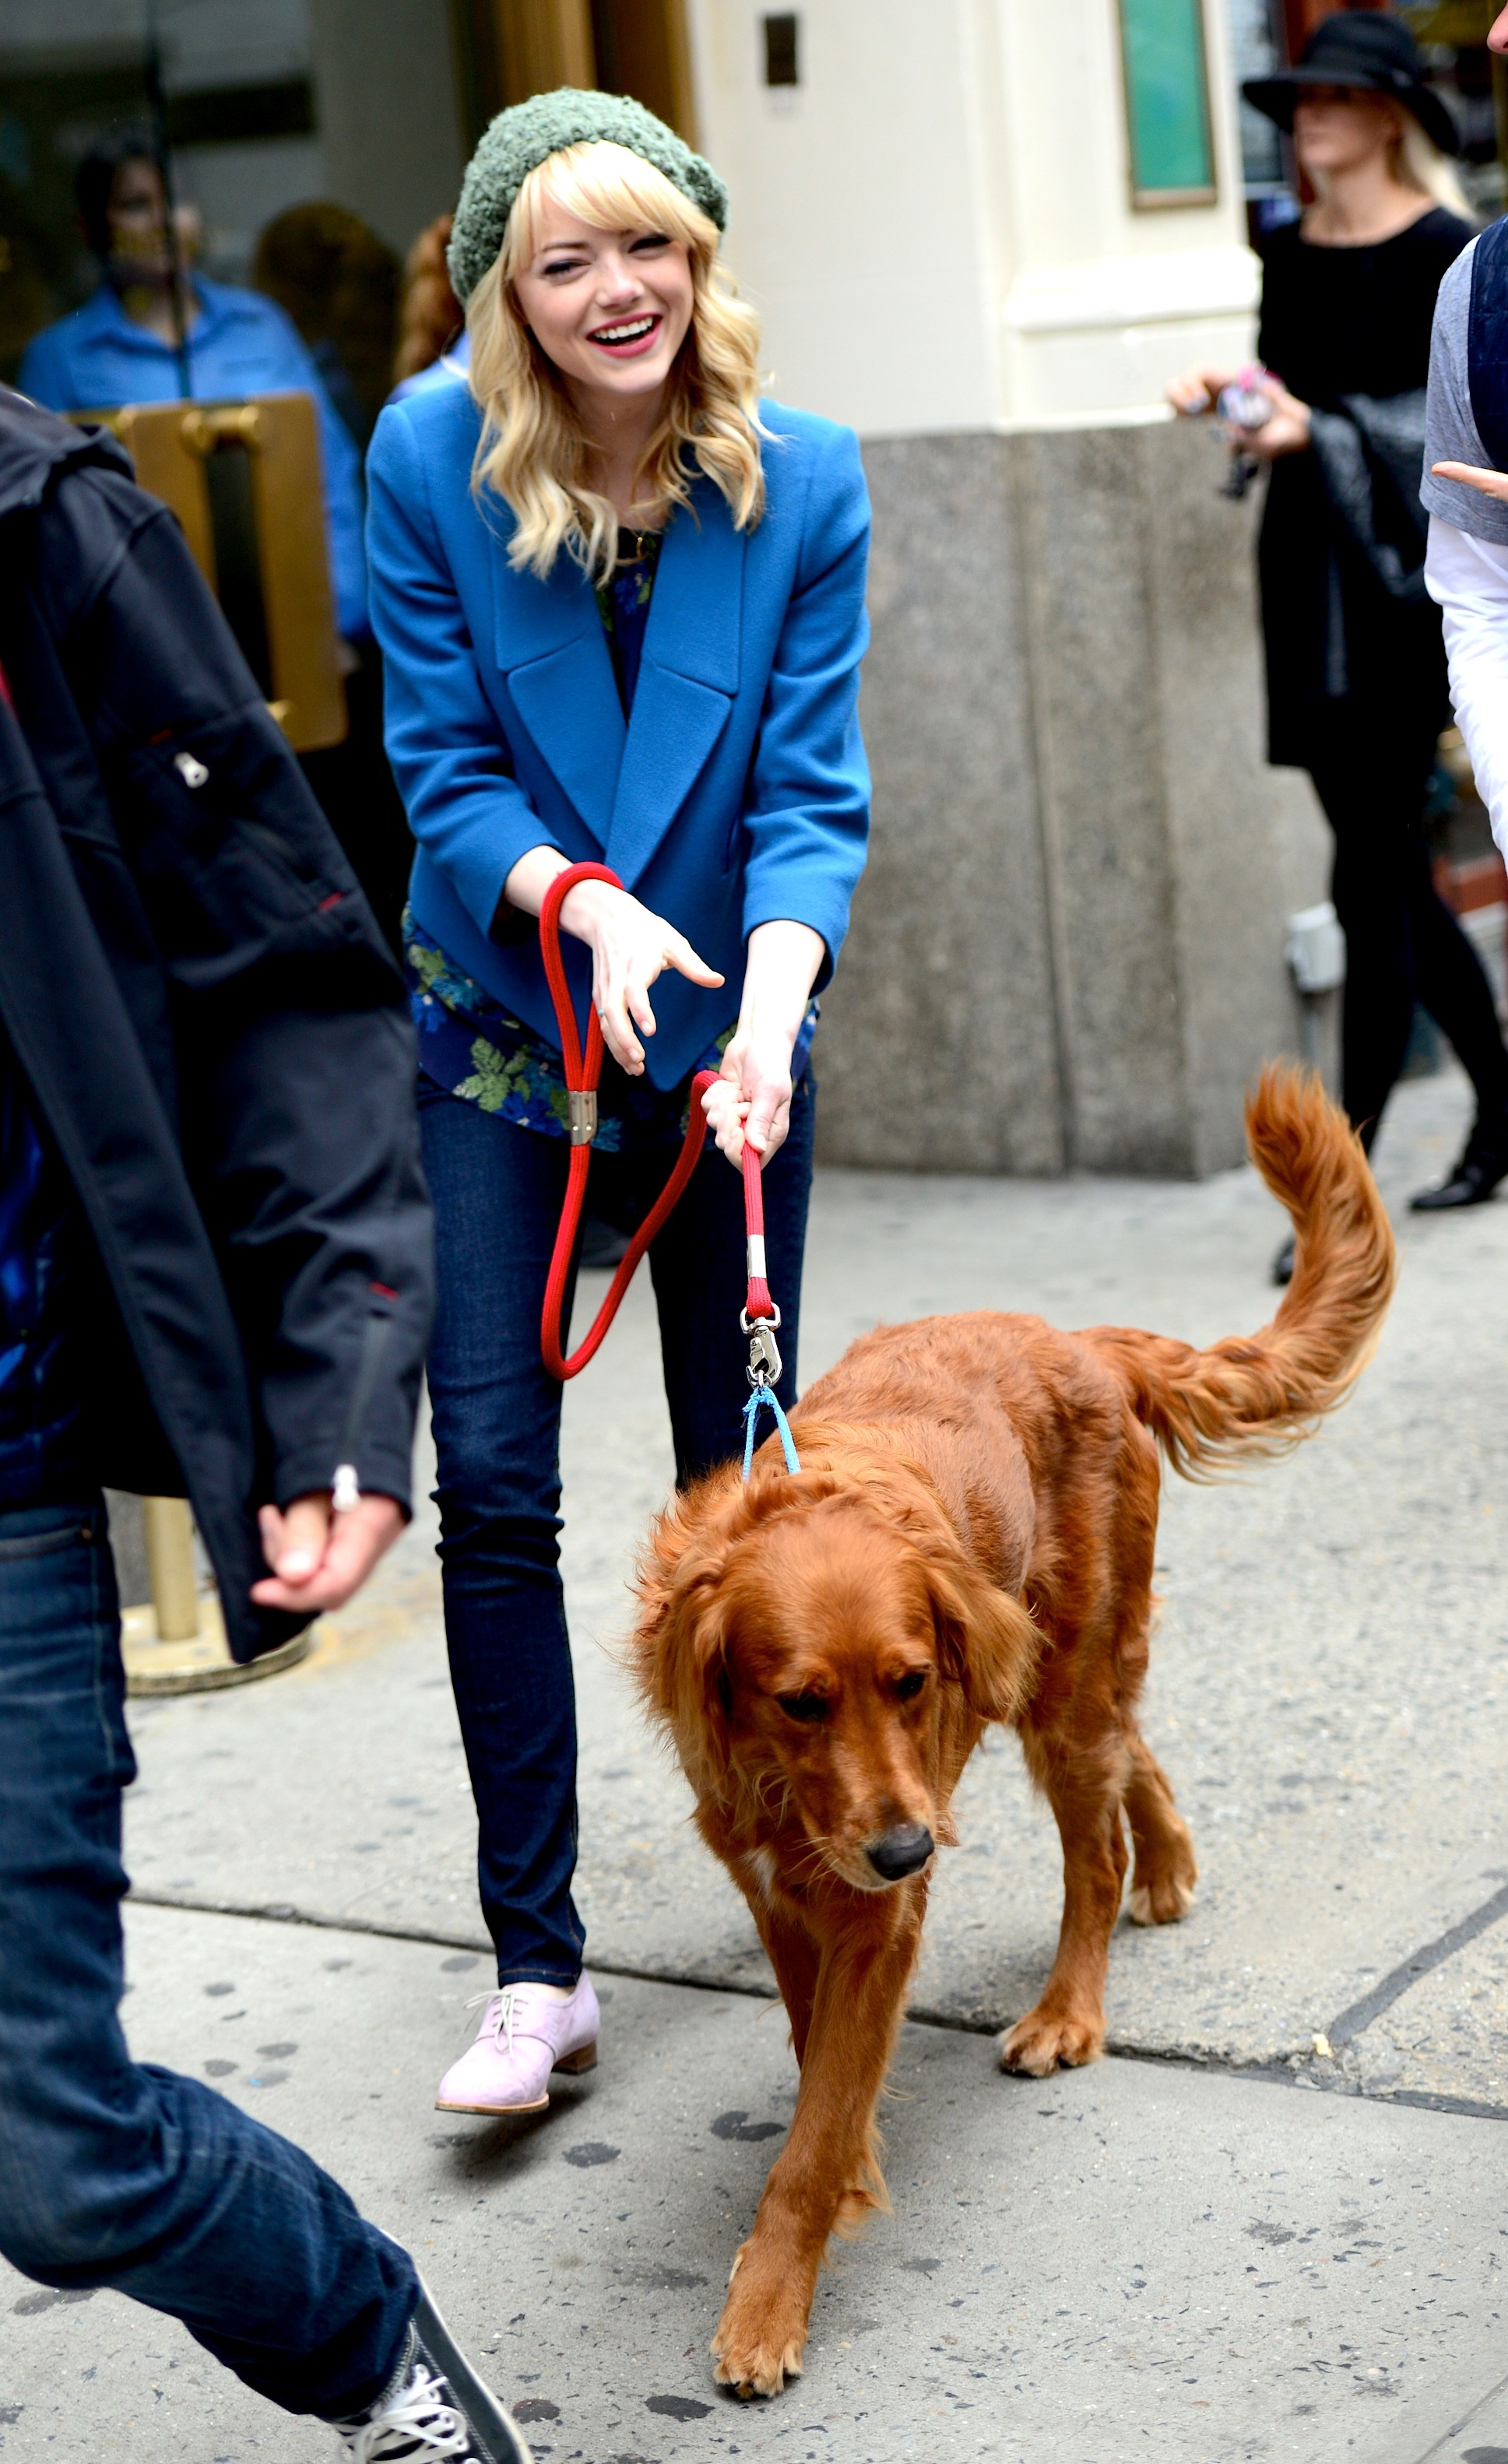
1068 952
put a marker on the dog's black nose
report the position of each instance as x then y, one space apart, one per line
903 1849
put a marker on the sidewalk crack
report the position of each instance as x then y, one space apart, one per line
1359 2015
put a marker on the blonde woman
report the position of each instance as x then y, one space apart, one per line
622 605
1356 679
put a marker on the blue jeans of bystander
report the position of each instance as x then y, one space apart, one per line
120 2173
497 1190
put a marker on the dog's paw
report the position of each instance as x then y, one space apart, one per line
761 2335
1037 2043
759 2368
1160 1903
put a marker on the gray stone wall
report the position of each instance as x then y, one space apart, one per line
1068 949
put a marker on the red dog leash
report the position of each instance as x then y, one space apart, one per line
760 1315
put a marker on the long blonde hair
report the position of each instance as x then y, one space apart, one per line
1419 164
532 449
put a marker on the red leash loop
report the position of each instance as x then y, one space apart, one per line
581 1077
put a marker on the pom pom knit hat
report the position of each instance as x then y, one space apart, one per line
520 140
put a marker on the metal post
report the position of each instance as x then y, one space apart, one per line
171 1565
156 111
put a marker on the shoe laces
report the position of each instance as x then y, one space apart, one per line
418 2421
502 2020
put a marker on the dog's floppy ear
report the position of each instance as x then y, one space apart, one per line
678 1651
986 1641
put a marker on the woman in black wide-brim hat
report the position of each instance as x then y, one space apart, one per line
1356 678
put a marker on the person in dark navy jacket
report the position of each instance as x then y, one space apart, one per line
620 602
214 1276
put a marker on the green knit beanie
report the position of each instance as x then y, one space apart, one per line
520 140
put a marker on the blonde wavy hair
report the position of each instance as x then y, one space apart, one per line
533 450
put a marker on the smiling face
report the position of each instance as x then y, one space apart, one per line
610 309
1338 128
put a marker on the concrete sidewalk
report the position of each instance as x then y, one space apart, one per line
1172 2255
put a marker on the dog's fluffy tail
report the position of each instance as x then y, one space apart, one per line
1259 1395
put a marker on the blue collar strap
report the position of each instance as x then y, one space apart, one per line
767 1395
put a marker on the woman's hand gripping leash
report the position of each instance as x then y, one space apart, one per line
759 1317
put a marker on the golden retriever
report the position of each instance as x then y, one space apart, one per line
970 1538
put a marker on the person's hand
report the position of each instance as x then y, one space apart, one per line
630 946
1288 430
1487 483
752 1098
1197 390
319 1557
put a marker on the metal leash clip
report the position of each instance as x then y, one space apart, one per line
764 1352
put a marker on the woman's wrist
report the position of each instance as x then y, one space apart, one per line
582 909
780 969
530 878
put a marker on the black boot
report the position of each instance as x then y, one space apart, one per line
1482 1165
1283 1264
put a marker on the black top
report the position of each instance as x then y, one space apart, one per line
1338 321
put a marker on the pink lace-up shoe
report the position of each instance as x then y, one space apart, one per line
524 2036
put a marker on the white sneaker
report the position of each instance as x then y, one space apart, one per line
524 2036
435 2407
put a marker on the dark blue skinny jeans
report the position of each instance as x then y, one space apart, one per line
114 2172
497 1191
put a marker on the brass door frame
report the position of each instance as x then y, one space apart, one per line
540 44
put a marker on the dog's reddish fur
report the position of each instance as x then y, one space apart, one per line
970 1539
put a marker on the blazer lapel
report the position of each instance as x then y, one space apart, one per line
549 642
688 677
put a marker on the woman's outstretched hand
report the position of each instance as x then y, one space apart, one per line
630 946
1487 483
752 1098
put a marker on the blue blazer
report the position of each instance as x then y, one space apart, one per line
737 794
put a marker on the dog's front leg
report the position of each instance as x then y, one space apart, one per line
1068 2023
828 2173
797 1961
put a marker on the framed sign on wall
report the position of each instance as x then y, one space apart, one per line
1171 140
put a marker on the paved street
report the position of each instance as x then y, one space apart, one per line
1223 2243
